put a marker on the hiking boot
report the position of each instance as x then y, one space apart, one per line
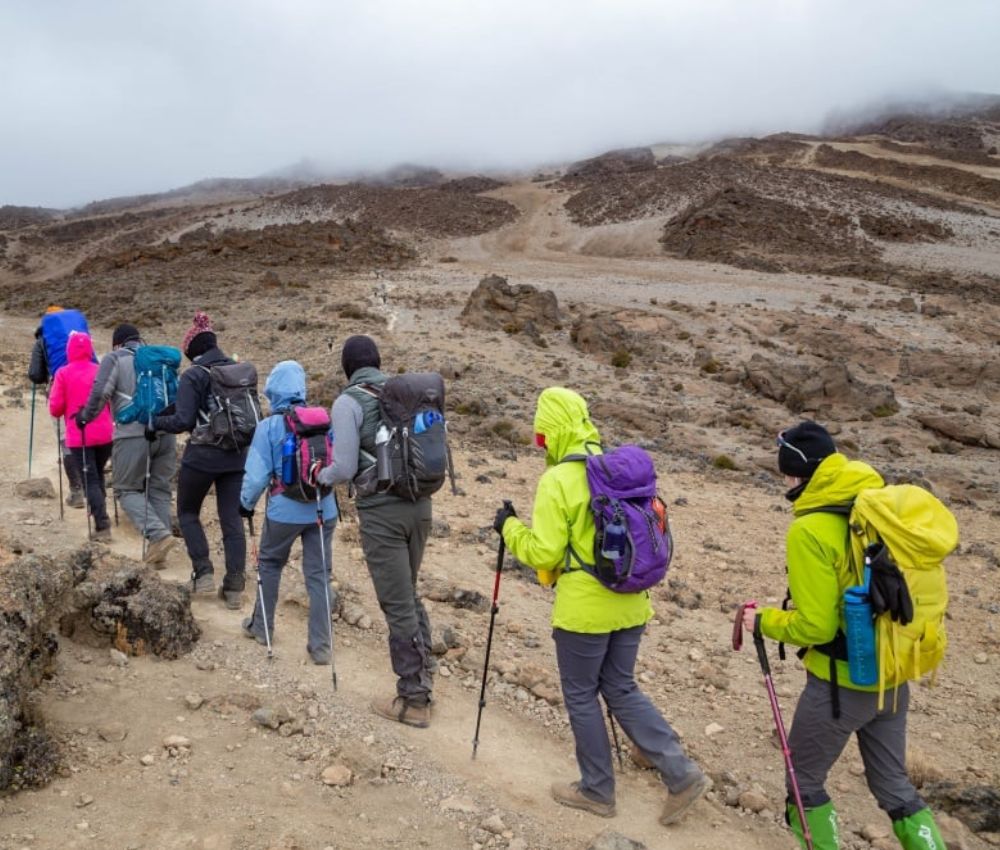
75 499
248 631
157 551
204 584
232 598
569 794
320 656
398 709
677 804
101 535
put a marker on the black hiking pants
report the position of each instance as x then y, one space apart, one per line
192 488
92 469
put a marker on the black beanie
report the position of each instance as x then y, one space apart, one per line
124 333
813 442
200 344
359 351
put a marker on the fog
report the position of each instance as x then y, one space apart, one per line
128 96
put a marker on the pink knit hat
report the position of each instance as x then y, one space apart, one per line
202 324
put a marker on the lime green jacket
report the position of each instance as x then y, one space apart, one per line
819 566
562 517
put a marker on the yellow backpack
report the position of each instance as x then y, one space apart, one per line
919 533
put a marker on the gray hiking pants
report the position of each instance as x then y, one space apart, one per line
592 665
275 546
817 739
128 467
393 536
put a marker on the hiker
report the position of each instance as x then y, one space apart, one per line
207 461
141 469
394 531
596 630
91 445
42 370
287 519
831 707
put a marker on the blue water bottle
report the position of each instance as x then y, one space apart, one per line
614 539
288 460
423 421
862 660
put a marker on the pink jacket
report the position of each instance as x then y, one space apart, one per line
70 391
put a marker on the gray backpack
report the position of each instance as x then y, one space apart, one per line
232 408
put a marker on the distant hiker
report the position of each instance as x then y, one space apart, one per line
596 630
394 530
824 488
221 428
290 515
48 356
145 499
70 391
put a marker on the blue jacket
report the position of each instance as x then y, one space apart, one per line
285 388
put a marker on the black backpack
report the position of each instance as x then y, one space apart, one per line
232 409
415 459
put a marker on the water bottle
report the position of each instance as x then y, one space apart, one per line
383 459
288 460
862 661
423 421
614 539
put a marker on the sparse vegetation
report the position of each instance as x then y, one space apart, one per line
724 462
621 359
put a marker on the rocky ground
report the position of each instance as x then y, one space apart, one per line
700 306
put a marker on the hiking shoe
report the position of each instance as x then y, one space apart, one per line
398 709
204 584
101 535
75 499
320 656
677 804
569 794
232 598
248 631
157 551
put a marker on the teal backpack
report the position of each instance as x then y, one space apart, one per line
155 383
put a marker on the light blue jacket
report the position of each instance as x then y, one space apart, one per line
285 388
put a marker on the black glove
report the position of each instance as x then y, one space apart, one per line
169 410
503 514
149 434
888 589
246 513
81 423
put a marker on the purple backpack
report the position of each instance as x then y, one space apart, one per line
633 545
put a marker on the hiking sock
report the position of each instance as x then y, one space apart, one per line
822 824
918 832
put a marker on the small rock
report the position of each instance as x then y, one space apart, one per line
175 742
463 805
517 844
874 831
35 488
493 824
611 840
194 701
118 658
713 729
753 801
337 775
695 654
148 759
980 658
84 800
113 733
364 622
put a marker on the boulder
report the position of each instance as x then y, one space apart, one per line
496 305
611 840
962 429
977 806
35 488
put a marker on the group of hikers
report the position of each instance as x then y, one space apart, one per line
598 534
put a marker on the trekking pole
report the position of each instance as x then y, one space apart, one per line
765 666
62 509
145 500
326 582
260 589
86 490
31 429
501 551
614 735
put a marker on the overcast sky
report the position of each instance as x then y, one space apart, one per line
113 97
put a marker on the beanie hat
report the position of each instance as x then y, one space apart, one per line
359 351
803 448
124 333
194 345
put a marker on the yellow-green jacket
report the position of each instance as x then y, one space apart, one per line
562 517
819 566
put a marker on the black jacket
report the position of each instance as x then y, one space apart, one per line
192 397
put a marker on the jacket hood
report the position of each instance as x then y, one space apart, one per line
286 385
562 417
79 347
836 481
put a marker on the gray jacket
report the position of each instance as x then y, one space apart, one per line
115 385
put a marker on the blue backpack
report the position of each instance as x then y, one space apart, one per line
633 545
155 383
56 328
